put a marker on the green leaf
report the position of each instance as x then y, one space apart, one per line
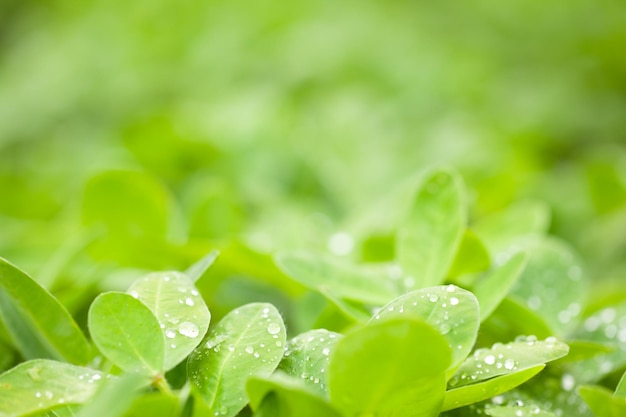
552 284
518 411
471 257
330 275
470 394
387 368
42 384
494 287
451 310
291 397
180 310
620 390
602 402
308 356
154 404
127 333
501 230
248 341
512 318
39 324
501 359
114 397
197 270
580 350
428 239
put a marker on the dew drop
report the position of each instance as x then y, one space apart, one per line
451 288
509 364
433 298
249 349
189 301
325 351
170 334
490 359
188 329
454 301
273 328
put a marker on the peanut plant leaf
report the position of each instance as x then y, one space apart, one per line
620 390
307 357
249 340
470 394
127 333
42 384
500 231
451 310
292 398
552 284
502 359
471 257
330 275
602 402
180 310
38 323
495 286
428 239
114 397
386 368
518 411
197 270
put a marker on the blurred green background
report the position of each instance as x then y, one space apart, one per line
140 135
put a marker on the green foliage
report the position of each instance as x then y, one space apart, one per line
454 323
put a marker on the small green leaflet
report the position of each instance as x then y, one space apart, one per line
386 368
197 270
501 359
494 287
127 333
329 275
42 384
180 310
450 309
428 239
114 397
602 401
291 397
552 284
39 324
307 357
249 340
518 411
470 394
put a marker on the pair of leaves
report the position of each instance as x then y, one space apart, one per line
154 327
384 368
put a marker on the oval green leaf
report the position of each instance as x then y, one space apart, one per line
495 286
518 411
180 310
127 333
43 384
293 398
114 398
552 284
501 359
602 402
428 239
450 309
39 324
197 270
249 340
307 357
387 368
470 394
471 257
329 275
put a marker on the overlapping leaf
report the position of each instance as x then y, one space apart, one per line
248 341
451 310
386 368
